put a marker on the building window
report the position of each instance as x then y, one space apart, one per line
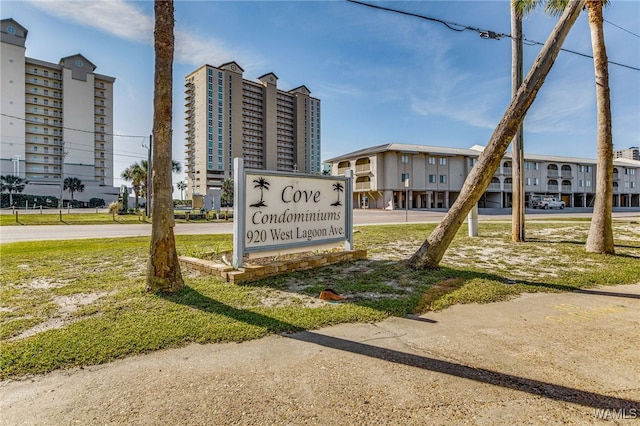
443 178
629 171
432 160
404 177
432 178
443 161
404 159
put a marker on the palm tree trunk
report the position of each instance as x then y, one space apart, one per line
432 250
163 269
600 239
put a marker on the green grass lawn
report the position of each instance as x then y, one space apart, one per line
92 218
82 302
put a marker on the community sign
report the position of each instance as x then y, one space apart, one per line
277 212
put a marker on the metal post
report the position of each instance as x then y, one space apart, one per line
239 204
348 205
406 200
472 221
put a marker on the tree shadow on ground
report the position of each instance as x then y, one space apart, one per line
196 300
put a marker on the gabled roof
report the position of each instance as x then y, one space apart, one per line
301 89
231 66
12 32
268 78
80 57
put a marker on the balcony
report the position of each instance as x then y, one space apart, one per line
566 188
552 188
361 186
553 174
494 187
363 168
566 175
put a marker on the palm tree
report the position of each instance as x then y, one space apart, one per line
227 195
338 188
163 266
433 248
262 184
227 191
73 184
600 238
137 176
182 185
11 184
144 165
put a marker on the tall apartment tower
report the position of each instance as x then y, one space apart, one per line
57 119
633 153
228 116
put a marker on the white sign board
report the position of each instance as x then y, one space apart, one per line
277 211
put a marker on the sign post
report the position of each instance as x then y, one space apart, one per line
278 212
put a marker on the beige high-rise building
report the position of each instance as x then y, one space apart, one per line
228 117
633 153
57 119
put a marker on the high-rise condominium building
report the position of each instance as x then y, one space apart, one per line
57 119
228 117
633 153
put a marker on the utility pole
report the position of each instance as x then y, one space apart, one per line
517 151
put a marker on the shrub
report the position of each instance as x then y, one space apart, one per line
97 202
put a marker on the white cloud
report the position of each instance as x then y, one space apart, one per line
560 105
124 20
463 98
115 17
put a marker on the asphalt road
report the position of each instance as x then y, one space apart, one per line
9 234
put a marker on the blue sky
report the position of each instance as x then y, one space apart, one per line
381 77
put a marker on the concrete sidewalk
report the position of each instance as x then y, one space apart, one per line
569 358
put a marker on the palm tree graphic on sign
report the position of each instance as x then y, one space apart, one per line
262 184
338 188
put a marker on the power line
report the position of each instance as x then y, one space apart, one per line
486 34
71 128
623 29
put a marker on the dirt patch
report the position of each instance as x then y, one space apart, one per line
67 306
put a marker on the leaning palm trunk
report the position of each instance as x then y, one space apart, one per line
432 250
163 269
600 239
